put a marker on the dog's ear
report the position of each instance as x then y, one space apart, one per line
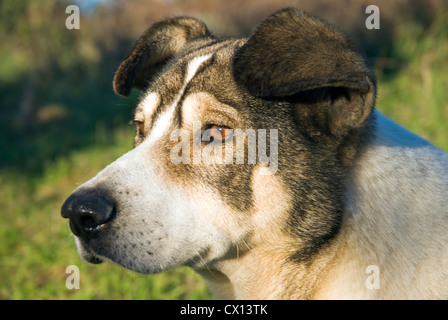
156 46
291 53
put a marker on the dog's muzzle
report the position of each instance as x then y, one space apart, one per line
88 211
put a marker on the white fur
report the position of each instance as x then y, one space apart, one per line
165 120
176 225
149 104
396 219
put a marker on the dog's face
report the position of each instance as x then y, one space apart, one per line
240 144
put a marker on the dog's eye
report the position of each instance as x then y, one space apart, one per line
140 125
216 133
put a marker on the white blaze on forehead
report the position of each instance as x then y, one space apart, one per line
164 121
149 104
193 67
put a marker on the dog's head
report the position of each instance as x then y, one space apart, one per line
240 144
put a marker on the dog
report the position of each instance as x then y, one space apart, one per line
348 205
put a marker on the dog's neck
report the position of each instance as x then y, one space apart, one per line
266 273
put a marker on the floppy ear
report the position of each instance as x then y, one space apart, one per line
292 52
157 45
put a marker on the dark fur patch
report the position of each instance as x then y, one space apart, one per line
301 61
292 52
154 48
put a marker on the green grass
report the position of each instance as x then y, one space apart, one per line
417 95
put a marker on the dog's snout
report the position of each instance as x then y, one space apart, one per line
87 211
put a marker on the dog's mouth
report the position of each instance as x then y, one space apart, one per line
86 253
93 259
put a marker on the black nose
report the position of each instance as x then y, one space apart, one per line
88 210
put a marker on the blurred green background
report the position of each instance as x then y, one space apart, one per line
60 122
